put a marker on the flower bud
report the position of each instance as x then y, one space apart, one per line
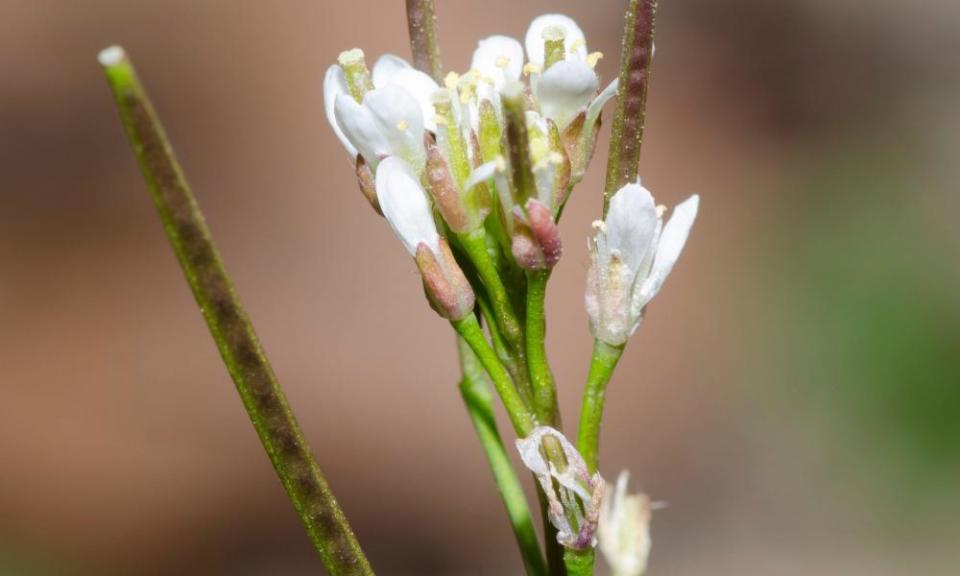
536 237
447 289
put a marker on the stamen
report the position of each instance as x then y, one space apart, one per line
593 58
502 61
530 68
402 125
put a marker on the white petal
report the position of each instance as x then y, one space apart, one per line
399 119
499 58
593 111
631 224
565 90
405 205
481 173
360 129
672 240
335 83
575 41
385 69
420 86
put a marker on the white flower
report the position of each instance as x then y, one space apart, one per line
575 42
406 206
577 494
633 252
568 87
623 533
385 126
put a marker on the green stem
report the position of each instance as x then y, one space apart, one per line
544 388
242 353
579 562
602 365
626 136
554 550
476 397
520 416
475 245
422 23
515 366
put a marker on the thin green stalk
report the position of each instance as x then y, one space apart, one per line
476 397
627 135
579 562
520 416
544 388
230 326
475 245
515 366
602 365
422 23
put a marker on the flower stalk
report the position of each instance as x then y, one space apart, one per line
230 326
476 398
602 364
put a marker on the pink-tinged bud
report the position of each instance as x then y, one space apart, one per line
447 288
444 191
367 184
536 237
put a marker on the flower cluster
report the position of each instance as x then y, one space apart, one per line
472 172
496 150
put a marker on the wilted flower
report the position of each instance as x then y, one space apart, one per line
633 252
573 494
623 533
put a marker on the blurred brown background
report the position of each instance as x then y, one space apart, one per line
794 393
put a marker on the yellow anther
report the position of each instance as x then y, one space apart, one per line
530 68
502 61
593 58
450 81
402 125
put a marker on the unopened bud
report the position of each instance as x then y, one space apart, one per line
444 191
447 288
536 237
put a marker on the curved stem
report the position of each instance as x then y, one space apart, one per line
230 326
476 397
544 388
602 365
522 419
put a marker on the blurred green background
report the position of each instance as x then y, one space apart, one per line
794 393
